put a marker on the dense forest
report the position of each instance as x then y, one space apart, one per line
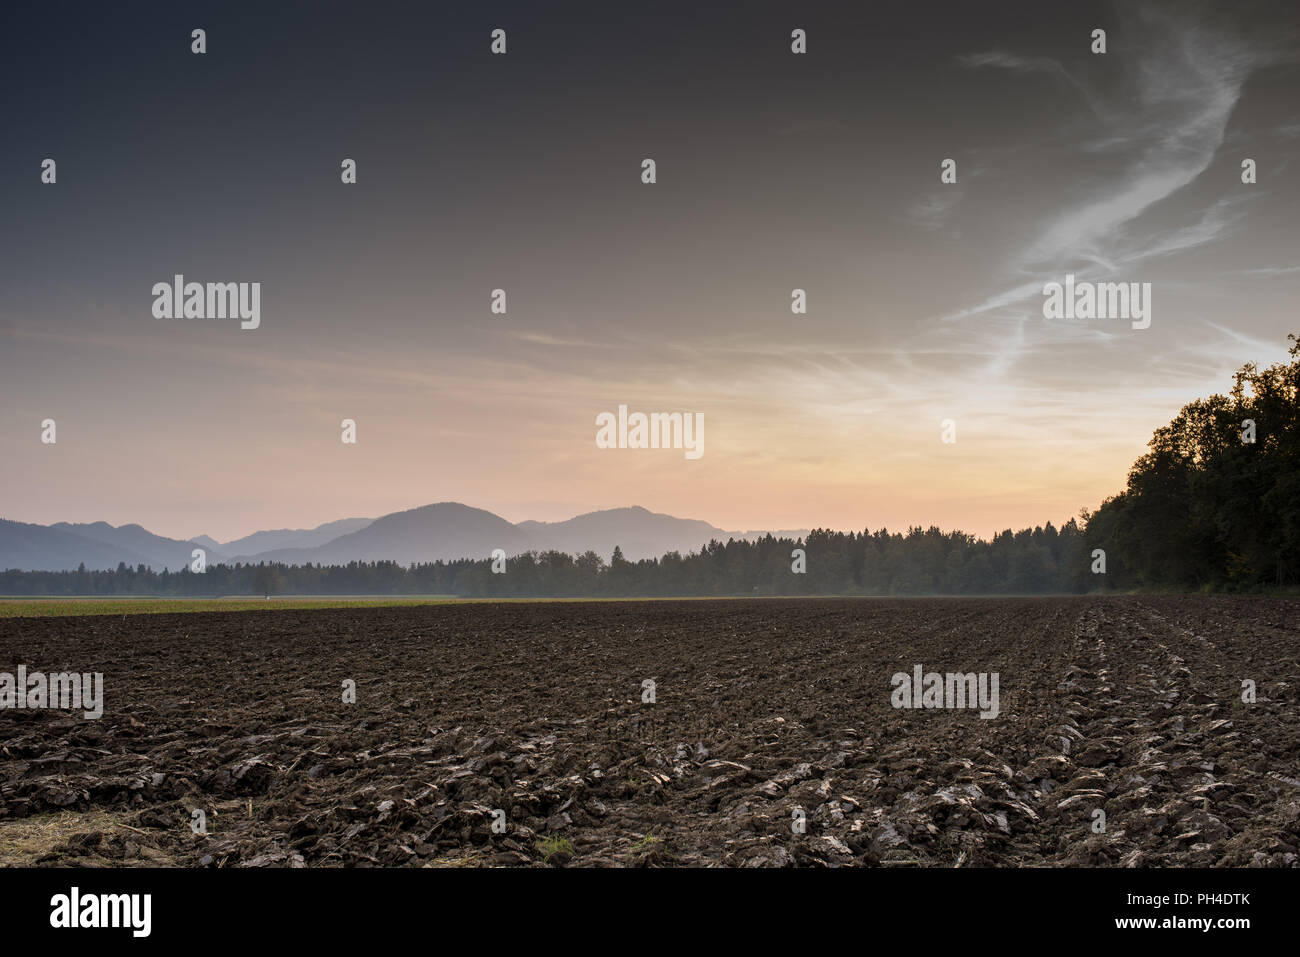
1214 505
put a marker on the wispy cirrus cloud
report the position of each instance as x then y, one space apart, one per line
1167 131
1022 64
933 212
1149 139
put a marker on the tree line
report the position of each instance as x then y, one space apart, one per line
1214 505
920 562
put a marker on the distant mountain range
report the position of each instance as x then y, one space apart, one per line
445 531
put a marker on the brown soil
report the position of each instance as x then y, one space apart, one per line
764 708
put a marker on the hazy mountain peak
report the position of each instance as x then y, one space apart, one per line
444 531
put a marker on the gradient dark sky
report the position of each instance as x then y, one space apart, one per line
775 171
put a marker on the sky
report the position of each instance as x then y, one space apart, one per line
775 171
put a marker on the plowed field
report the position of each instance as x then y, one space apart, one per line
771 740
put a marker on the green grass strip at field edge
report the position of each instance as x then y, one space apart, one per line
69 607
13 607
